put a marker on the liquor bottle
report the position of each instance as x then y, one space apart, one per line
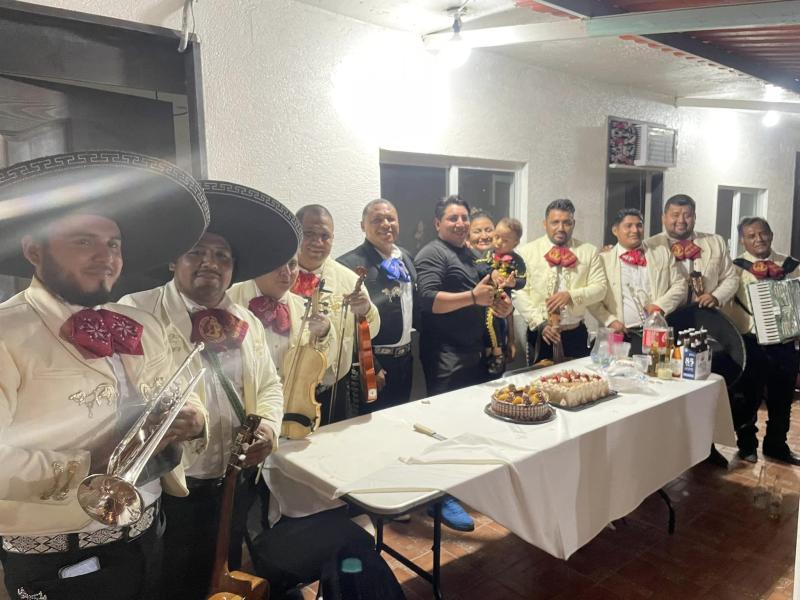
676 361
652 368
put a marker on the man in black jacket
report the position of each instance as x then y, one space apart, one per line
391 284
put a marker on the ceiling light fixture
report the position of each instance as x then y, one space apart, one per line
456 51
771 118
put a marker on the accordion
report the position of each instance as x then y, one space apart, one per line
776 310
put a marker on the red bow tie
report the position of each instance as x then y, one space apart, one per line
305 284
685 250
218 329
634 257
561 255
767 269
103 332
271 313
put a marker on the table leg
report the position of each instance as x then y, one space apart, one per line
437 550
668 501
378 534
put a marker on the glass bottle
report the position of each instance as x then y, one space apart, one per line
761 494
652 368
775 501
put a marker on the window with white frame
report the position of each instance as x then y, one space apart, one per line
734 204
415 182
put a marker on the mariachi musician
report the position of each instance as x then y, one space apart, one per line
302 528
565 276
75 371
702 258
249 231
390 281
315 265
770 368
640 280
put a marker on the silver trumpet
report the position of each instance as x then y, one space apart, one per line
112 498
637 302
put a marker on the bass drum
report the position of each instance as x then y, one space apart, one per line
728 356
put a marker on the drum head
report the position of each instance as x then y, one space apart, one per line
727 347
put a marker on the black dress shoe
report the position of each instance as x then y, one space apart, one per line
785 456
716 459
748 456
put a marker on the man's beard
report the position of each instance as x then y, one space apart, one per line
65 286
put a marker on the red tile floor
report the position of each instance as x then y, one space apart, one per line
724 547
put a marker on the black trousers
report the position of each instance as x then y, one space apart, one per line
294 551
399 374
128 571
191 536
343 407
574 342
772 369
447 369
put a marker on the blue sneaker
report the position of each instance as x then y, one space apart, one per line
453 515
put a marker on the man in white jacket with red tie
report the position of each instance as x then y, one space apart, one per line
640 279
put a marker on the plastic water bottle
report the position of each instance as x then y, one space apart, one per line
655 331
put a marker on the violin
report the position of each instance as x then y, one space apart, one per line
225 584
366 361
304 367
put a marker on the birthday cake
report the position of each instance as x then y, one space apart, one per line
527 403
573 388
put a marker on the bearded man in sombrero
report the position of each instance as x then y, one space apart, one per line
76 371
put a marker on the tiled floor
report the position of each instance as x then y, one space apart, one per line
724 547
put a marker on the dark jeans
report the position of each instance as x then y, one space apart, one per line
399 374
295 549
128 571
574 342
191 537
770 368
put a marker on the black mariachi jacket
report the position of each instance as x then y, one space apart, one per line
383 292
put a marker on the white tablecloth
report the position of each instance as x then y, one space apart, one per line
556 485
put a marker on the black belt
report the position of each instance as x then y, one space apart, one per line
204 485
392 351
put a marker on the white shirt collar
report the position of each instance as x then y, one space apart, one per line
194 307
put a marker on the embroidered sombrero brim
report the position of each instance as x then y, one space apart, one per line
161 210
262 232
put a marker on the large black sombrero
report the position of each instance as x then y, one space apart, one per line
161 210
261 231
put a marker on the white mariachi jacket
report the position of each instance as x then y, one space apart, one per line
585 281
242 293
720 278
263 393
339 281
56 406
667 290
736 309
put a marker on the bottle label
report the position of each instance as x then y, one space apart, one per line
654 336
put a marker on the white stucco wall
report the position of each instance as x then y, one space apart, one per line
299 101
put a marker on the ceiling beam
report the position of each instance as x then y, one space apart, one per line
787 107
642 23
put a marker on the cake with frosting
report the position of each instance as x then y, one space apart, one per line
573 388
527 403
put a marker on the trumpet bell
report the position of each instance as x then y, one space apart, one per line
110 500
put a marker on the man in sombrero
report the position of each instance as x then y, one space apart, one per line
249 232
75 370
